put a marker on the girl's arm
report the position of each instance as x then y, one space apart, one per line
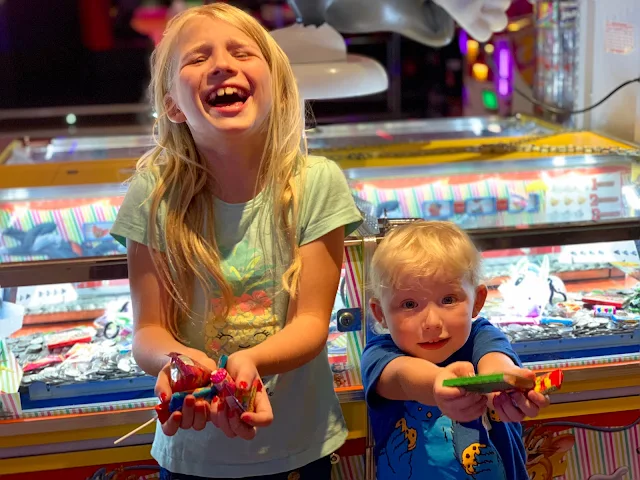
307 328
151 341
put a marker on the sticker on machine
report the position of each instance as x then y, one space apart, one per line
624 253
619 38
567 199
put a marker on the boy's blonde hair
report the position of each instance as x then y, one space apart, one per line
184 180
422 249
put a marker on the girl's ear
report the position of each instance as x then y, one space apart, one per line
481 296
173 112
378 313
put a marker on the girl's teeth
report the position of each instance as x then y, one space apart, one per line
229 90
220 91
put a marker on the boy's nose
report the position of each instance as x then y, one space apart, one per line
431 321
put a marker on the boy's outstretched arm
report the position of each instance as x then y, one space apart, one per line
413 379
409 379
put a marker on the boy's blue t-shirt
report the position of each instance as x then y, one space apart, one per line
415 440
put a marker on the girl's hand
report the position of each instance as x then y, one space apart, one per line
244 372
194 412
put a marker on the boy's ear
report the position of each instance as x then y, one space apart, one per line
481 296
376 310
173 112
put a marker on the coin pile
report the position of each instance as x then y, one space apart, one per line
108 360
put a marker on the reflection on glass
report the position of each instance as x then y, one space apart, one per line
500 194
564 306
568 302
76 333
55 223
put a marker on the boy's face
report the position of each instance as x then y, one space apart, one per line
429 318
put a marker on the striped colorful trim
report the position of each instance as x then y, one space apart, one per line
348 468
89 408
583 362
354 282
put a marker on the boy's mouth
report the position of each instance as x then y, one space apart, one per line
434 345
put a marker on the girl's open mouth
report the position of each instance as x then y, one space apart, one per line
228 99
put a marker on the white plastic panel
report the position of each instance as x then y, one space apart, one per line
610 55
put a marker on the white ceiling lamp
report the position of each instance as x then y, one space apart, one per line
323 68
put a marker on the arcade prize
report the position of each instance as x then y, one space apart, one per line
189 377
503 382
187 374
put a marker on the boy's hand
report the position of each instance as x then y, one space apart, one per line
456 403
515 406
244 372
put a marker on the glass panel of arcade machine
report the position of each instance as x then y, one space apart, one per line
79 149
75 344
564 306
63 149
503 194
568 305
353 135
58 222
66 224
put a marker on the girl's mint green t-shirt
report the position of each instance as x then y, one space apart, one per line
308 422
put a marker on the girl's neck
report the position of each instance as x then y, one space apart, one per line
234 170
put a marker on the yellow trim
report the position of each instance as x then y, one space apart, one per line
6 153
355 414
600 384
71 435
116 170
591 407
60 461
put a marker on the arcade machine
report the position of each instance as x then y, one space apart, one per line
535 218
586 321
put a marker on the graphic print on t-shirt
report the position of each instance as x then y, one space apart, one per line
251 318
426 442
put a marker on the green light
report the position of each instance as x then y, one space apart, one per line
490 100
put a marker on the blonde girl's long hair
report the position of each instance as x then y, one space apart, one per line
183 180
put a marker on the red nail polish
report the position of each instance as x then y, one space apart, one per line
190 401
214 400
258 385
220 406
243 385
163 397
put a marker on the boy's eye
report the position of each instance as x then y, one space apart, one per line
409 304
448 300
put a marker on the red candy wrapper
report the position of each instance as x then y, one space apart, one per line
549 382
187 374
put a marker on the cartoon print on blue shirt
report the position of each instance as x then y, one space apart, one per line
474 451
424 441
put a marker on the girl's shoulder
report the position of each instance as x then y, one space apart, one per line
323 170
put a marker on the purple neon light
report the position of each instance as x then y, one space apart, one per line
504 60
462 42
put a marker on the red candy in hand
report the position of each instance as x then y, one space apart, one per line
187 374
